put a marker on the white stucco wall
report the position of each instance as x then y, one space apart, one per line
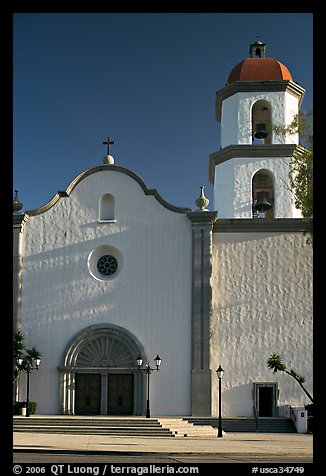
150 296
236 127
262 304
233 187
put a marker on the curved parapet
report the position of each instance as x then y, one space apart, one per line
105 168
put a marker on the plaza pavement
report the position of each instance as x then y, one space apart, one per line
255 445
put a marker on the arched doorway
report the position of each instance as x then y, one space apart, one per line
98 375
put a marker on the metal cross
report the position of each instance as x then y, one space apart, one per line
109 142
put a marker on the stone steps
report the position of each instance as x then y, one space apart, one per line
87 420
182 427
91 425
121 426
151 427
248 425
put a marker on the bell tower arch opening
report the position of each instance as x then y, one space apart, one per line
261 122
98 374
263 194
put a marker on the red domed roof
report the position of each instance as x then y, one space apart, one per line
259 69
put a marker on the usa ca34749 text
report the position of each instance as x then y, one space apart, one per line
279 469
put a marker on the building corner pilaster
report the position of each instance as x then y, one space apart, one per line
202 222
19 220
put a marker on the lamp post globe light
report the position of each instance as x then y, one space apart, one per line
27 364
148 370
220 373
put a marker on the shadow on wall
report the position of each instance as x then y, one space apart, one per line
238 401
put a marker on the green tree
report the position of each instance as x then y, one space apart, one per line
301 170
275 363
20 351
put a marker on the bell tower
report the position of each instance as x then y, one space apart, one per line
250 172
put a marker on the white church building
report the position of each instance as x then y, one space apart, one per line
108 271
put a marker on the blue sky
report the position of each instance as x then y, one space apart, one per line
147 80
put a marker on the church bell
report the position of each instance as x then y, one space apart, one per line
261 131
262 203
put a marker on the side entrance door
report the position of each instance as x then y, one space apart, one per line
265 408
265 399
120 394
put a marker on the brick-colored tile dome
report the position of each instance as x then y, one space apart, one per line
259 69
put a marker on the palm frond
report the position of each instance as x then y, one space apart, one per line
275 363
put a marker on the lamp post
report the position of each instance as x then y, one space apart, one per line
220 373
28 364
148 370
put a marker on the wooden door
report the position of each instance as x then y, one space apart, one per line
120 394
88 394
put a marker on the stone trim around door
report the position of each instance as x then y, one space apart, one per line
265 396
101 349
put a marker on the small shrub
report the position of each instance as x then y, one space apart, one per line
17 406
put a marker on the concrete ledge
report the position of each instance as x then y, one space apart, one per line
245 225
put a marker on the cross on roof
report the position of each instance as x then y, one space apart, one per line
109 142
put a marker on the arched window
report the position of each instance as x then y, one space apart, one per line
261 117
106 208
263 194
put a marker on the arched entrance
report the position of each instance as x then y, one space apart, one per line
98 375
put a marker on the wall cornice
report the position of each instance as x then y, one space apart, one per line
19 220
256 86
251 151
201 217
250 225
